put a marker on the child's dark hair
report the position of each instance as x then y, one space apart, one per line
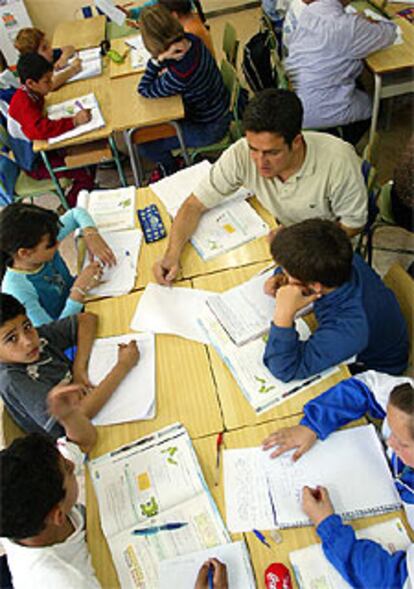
32 483
32 66
274 111
10 308
315 250
3 62
23 226
402 398
181 7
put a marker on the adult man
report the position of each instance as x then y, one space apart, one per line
294 175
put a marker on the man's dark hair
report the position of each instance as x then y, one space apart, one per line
315 250
32 66
10 308
274 111
178 6
402 397
31 485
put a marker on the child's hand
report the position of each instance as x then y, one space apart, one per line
220 580
82 117
289 300
128 354
76 66
90 277
62 400
273 283
176 51
298 436
98 248
317 504
80 376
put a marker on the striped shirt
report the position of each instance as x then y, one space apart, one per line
196 77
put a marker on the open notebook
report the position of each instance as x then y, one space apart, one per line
262 493
151 482
91 61
69 108
139 55
111 210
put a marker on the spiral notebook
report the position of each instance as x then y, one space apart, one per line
262 493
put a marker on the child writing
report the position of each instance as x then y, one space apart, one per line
182 65
356 313
361 562
27 122
31 40
33 361
31 267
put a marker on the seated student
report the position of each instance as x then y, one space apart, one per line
402 190
31 40
33 361
182 65
325 59
31 267
295 175
191 22
362 563
356 313
28 122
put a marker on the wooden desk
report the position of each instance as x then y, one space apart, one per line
82 33
237 411
185 386
293 538
391 8
117 70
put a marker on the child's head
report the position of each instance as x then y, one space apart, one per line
160 29
36 73
31 40
179 7
28 232
38 487
400 417
19 340
315 251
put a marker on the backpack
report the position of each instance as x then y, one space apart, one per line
257 64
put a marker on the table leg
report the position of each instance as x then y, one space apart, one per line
115 153
136 168
55 180
375 107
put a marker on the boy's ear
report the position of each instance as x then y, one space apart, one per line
56 516
31 84
24 252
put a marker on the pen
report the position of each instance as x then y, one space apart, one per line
261 538
210 578
219 443
155 529
305 384
128 255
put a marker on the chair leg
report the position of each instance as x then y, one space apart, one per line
133 156
55 180
183 147
118 163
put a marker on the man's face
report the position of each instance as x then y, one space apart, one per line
43 86
400 439
271 154
19 341
45 50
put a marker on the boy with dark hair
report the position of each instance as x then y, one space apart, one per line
34 361
295 175
28 122
356 313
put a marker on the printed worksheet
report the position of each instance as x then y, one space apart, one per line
69 108
112 210
138 54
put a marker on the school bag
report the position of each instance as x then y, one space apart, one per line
257 63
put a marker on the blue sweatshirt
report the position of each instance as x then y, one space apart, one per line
45 292
362 317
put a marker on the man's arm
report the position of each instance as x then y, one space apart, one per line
351 231
184 225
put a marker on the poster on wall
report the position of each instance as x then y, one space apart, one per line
13 17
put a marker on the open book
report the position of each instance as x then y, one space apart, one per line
91 61
312 569
111 210
147 484
265 493
69 108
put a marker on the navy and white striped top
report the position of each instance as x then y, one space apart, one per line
196 77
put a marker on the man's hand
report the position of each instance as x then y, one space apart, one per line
166 270
220 580
317 504
63 400
289 300
298 436
82 117
273 283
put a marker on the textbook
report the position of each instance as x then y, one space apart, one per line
111 210
119 279
264 493
261 389
312 569
91 61
69 108
154 504
134 398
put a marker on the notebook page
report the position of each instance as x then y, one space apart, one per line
69 109
111 210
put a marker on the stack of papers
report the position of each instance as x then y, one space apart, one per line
69 108
111 210
111 11
139 55
134 399
119 279
91 64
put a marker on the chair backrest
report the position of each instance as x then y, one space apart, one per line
233 85
230 43
384 204
402 285
371 151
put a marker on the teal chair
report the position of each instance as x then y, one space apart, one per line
230 44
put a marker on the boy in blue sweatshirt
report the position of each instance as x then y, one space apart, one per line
357 314
362 563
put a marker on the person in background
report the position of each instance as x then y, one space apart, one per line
402 190
191 22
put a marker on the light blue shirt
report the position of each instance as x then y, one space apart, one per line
325 58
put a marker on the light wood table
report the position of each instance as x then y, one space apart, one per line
185 386
392 8
293 538
82 33
117 70
237 411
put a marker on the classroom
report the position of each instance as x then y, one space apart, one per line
207 294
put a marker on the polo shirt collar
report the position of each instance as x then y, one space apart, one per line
309 165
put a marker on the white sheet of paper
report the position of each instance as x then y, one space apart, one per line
171 310
134 399
120 279
112 210
69 109
181 572
108 8
138 55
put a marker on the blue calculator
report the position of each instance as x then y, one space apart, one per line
151 223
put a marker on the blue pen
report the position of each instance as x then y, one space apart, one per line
155 529
261 538
128 255
210 577
79 104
